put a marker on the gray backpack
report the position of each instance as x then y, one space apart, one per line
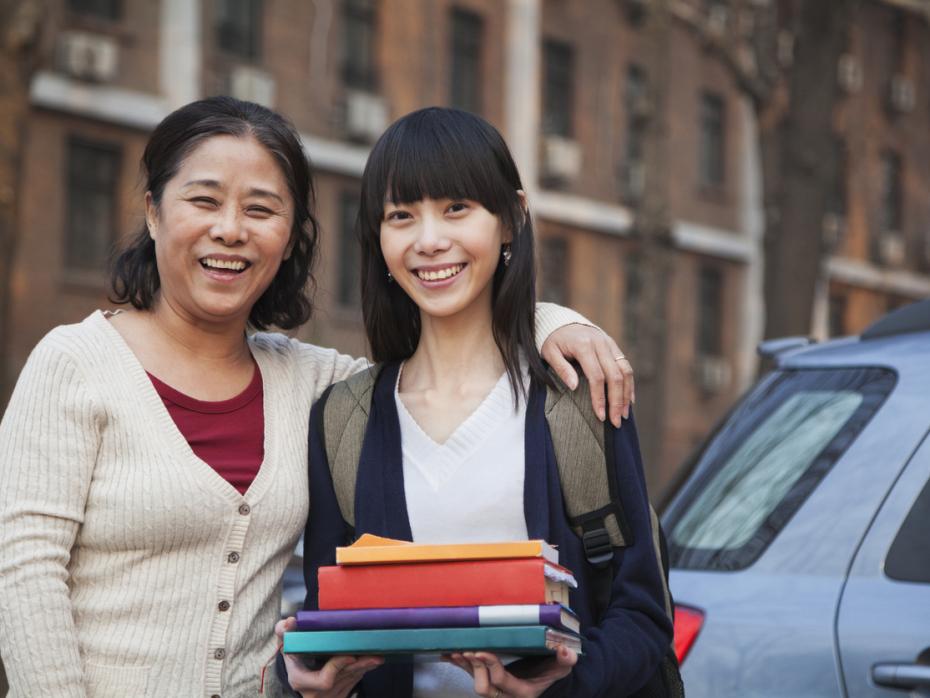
589 487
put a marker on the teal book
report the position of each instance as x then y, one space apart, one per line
518 640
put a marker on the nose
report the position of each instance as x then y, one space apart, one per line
228 227
431 236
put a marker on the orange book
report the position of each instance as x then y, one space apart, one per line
458 583
374 550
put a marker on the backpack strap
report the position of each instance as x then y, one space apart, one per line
345 416
589 489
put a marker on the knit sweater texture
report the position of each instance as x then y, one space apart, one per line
128 566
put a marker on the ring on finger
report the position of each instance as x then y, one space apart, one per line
499 693
619 357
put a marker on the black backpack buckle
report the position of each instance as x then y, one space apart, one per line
597 548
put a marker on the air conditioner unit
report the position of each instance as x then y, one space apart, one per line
561 158
892 249
832 229
366 115
634 181
712 374
849 73
784 46
903 95
717 17
252 84
88 56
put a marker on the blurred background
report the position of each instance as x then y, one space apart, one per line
703 173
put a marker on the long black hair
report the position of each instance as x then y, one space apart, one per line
287 302
441 153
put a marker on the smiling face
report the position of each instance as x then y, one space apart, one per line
443 253
221 229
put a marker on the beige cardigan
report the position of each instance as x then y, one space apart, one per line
127 565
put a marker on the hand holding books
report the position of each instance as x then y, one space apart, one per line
334 679
523 679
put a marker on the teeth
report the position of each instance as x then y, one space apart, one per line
440 274
224 264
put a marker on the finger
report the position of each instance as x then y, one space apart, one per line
590 363
607 353
626 370
497 673
566 657
557 361
330 672
480 676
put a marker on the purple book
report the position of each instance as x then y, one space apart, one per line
554 615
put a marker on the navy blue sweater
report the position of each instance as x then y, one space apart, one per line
622 649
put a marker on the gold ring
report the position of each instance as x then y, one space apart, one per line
618 357
499 693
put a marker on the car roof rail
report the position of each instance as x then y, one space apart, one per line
770 348
914 317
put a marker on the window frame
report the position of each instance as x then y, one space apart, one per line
252 51
87 187
712 146
466 64
559 85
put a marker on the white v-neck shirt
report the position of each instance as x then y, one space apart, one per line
467 489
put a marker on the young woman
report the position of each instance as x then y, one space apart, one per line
153 477
456 447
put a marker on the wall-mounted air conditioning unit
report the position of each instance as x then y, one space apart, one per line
712 374
561 158
849 73
834 224
366 115
252 84
892 249
784 47
88 56
717 17
903 95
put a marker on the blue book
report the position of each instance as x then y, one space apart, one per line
519 640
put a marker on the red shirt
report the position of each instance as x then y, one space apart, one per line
228 435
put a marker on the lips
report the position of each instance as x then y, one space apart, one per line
225 264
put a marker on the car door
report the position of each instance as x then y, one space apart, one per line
883 618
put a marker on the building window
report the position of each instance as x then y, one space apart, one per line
92 178
891 218
636 107
349 284
838 194
558 88
467 36
631 297
238 28
710 312
554 258
102 9
837 315
359 44
712 152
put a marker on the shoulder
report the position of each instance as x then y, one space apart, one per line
78 343
279 346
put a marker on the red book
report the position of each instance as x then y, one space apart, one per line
465 583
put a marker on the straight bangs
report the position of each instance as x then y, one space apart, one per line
441 154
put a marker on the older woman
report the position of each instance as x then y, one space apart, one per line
154 474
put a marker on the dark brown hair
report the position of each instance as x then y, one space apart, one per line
287 302
442 153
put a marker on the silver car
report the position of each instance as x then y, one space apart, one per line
799 539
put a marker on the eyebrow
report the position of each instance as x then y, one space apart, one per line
214 184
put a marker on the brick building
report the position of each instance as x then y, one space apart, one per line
565 83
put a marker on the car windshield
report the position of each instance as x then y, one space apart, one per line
765 460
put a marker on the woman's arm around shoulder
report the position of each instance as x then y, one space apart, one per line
48 444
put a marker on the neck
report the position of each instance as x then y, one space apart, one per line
451 348
205 340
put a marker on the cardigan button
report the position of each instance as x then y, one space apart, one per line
223 605
245 509
219 653
232 558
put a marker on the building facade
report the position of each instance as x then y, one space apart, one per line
566 82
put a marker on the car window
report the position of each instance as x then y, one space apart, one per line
909 556
765 461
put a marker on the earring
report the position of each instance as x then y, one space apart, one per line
506 254
390 277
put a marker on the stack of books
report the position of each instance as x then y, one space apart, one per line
389 597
